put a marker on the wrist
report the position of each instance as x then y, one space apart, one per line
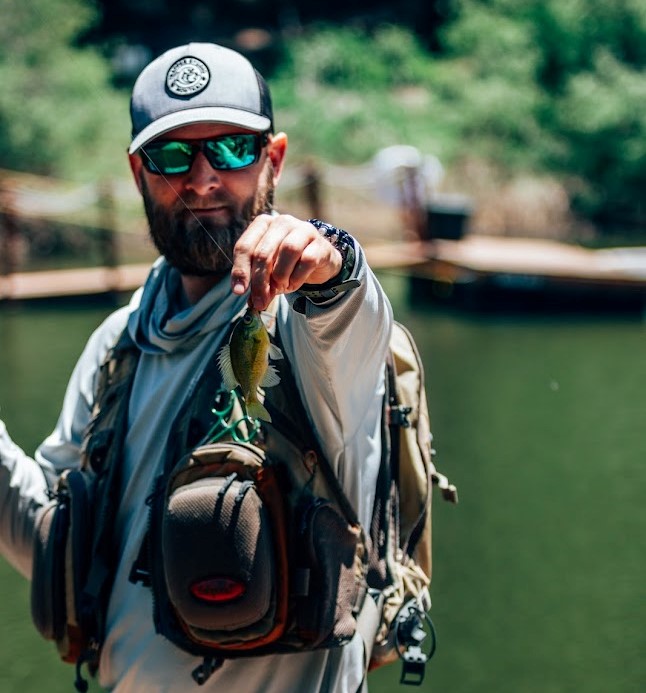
343 242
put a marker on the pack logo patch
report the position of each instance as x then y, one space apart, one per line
187 76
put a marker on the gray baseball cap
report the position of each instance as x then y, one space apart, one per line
198 83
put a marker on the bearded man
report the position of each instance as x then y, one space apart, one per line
206 157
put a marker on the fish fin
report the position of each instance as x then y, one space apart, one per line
226 368
270 378
275 352
256 410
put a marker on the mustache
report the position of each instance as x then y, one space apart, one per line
193 201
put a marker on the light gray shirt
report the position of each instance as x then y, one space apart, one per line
337 353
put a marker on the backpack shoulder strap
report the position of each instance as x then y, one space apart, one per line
290 419
111 396
101 454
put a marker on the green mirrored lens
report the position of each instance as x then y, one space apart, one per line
232 151
223 153
169 157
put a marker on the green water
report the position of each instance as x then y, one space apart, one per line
539 572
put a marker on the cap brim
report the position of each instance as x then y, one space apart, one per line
230 116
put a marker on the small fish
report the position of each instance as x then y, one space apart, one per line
244 361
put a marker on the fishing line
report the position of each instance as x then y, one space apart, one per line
192 213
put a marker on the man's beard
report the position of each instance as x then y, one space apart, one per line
201 246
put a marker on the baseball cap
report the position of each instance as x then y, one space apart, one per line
198 83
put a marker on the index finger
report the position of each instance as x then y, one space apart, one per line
243 250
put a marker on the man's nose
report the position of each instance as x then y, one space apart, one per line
202 177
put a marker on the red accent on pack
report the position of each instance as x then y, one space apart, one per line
218 589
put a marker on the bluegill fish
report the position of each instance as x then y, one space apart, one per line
244 361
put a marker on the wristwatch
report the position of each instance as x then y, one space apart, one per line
344 243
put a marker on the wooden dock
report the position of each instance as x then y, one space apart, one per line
472 259
481 257
93 281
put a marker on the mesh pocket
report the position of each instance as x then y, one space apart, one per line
48 579
62 544
238 568
217 571
219 560
329 546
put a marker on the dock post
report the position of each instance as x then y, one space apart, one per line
412 209
9 241
107 236
312 190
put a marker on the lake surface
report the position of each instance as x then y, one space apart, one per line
539 572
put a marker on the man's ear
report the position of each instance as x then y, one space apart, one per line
276 150
137 168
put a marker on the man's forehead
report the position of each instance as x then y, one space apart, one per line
199 131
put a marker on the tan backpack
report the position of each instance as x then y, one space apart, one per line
401 526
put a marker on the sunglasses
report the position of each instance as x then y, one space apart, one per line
225 153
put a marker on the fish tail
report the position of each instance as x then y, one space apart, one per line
256 410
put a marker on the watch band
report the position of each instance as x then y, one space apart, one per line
340 283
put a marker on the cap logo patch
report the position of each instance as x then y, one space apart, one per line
187 76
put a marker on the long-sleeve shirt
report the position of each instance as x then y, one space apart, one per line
336 352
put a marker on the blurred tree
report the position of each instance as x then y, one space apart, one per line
488 80
556 86
528 87
594 64
160 24
601 117
58 112
336 104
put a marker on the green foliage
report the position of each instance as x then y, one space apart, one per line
349 58
546 85
602 118
343 92
528 86
58 112
488 73
569 34
532 87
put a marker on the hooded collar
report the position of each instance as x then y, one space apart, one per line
165 322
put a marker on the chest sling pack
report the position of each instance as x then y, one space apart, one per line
252 546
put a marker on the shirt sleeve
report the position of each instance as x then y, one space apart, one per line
23 490
337 351
25 482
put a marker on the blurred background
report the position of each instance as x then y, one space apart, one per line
490 155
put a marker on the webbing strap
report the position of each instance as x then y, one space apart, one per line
367 625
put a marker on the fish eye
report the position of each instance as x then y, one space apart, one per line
246 319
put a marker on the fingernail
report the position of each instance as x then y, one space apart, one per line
238 288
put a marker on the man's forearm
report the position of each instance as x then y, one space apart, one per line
23 490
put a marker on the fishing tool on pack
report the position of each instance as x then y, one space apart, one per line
242 430
409 634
